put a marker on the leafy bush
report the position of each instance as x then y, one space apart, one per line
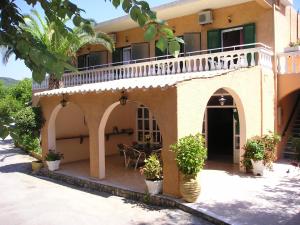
29 120
191 154
254 149
53 156
152 169
296 144
261 148
270 142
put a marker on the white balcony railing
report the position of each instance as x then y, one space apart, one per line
289 63
207 60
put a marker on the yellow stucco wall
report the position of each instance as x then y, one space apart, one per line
123 117
250 12
162 104
179 111
71 126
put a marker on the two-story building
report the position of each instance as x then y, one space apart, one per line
233 80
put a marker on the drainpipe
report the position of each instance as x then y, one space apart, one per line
275 68
298 24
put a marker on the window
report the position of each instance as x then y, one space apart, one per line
92 59
192 42
146 124
166 53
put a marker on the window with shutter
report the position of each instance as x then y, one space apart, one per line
249 34
117 56
214 39
192 42
140 51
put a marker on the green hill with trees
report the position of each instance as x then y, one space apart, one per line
8 81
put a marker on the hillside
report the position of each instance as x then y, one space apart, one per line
8 81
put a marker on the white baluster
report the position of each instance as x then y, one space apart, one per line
252 59
206 68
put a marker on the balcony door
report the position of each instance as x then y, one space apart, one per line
245 34
232 37
126 55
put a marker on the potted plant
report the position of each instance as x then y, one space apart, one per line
293 46
36 165
191 154
152 171
260 152
53 160
270 142
254 154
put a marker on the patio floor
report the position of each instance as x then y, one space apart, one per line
226 193
240 198
116 174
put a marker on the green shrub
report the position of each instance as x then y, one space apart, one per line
261 148
53 156
152 169
296 145
191 154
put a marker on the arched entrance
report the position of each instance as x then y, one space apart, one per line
221 128
68 134
128 125
288 115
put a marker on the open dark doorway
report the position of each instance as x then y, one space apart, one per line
220 134
232 38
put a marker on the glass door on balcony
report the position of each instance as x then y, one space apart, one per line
192 43
126 55
232 37
140 51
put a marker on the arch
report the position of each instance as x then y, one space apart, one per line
101 132
51 127
52 124
241 113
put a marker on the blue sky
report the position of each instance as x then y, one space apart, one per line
95 9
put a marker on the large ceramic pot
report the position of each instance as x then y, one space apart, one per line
154 187
190 187
36 165
53 165
258 167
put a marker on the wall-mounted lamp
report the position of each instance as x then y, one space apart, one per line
64 101
174 29
126 39
123 99
229 19
222 100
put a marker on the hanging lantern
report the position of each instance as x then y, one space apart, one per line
123 99
63 102
222 100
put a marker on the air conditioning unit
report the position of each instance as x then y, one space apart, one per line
113 36
205 17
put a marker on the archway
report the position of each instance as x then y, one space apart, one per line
128 125
287 123
224 126
68 134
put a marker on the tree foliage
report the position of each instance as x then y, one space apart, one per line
18 119
40 60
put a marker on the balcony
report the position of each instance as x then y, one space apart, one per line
221 59
289 63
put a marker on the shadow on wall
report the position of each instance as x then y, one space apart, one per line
70 126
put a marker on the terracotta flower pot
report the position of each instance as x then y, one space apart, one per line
36 165
190 187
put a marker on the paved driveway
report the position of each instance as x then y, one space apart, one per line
28 200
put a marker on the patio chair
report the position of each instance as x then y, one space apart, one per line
135 156
123 150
